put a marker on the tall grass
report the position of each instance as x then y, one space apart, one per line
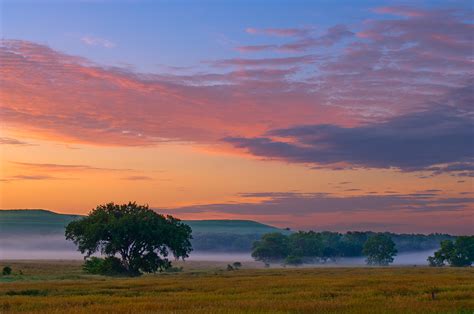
308 290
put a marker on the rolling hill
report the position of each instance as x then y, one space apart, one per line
40 221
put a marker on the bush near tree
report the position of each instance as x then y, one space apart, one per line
7 270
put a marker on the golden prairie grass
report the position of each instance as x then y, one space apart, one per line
52 287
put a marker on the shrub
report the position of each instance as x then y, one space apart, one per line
93 265
109 266
237 265
229 267
7 270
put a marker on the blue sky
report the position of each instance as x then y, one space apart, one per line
147 34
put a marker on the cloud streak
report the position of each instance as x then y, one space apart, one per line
12 141
412 142
309 203
323 211
281 32
97 41
50 167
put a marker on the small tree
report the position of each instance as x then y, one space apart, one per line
141 238
379 250
237 265
457 254
271 247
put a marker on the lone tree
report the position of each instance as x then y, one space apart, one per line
457 254
380 250
141 238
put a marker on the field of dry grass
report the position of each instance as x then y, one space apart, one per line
61 287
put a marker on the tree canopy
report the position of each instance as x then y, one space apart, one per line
271 247
142 238
458 253
379 250
308 247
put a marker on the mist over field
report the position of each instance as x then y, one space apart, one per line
56 247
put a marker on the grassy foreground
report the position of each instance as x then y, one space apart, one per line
61 287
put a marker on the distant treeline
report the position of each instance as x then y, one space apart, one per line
320 247
348 245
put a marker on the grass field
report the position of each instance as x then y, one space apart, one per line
61 287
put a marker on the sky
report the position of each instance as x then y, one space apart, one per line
322 115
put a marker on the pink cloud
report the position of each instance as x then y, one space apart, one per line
401 11
267 61
331 36
282 32
400 65
53 95
256 48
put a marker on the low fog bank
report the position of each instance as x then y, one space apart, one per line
403 259
56 247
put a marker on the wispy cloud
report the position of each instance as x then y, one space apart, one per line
299 60
282 32
50 167
34 177
97 41
305 40
309 203
325 210
137 178
12 141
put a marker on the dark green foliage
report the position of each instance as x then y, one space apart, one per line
352 243
93 265
306 244
7 270
142 238
174 269
271 247
459 253
28 292
321 247
237 265
293 260
309 247
379 250
109 266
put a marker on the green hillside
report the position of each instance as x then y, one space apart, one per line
28 221
230 226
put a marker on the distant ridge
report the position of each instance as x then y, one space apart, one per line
34 221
